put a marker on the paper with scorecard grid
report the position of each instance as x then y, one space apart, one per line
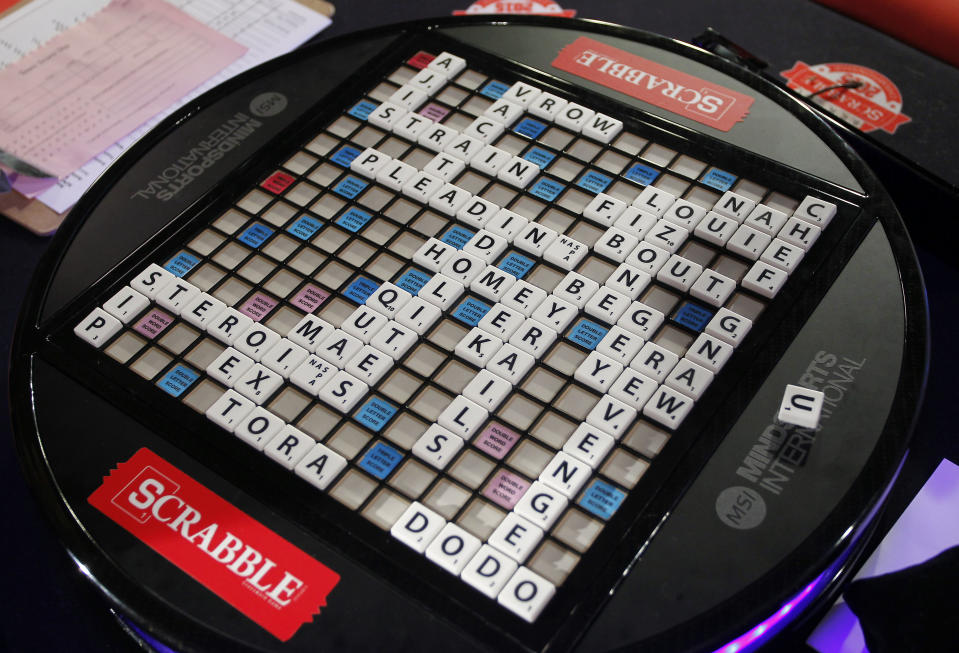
87 87
268 28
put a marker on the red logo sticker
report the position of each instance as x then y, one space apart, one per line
876 104
534 7
665 87
234 556
278 182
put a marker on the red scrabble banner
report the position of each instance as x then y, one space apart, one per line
247 565
683 94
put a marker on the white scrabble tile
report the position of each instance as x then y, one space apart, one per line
668 407
689 378
766 219
501 321
97 327
504 111
647 257
421 186
764 279
127 303
521 93
464 147
487 390
176 294
620 345
565 252
320 466
477 212
284 357
533 337
598 371
463 267
628 280
507 224
616 244
394 339
574 116
429 80
441 291
449 199
799 232
734 206
409 97
516 536
781 254
418 315
436 137
546 105
486 130
388 299
364 323
433 254
511 363
369 162
710 352
654 361
554 312
612 416
716 229
667 235
602 127
258 383
712 288
526 594
748 242
343 391
448 64
492 283
518 172
229 410
202 310
339 347
566 474
488 571
445 166
641 319
258 427
486 245
256 341
151 280
541 505
417 527
386 115
801 406
535 238
229 325
452 548
633 388
409 125
685 214
369 365
289 446
815 211
478 346
728 326
524 297
604 209
653 200
636 221
395 174
607 304
589 444
576 289
312 374
679 273
310 332
437 446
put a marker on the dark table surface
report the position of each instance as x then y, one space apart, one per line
48 605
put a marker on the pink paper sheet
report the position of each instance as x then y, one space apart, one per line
93 84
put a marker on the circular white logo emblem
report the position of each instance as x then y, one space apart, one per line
740 507
268 104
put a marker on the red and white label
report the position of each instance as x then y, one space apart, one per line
533 7
234 556
683 94
875 104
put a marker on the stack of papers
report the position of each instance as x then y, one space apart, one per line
84 79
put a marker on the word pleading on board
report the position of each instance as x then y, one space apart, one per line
471 310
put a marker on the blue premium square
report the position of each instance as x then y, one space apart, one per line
516 264
539 156
693 316
375 413
547 189
362 109
494 89
305 227
177 380
412 280
471 311
345 155
255 234
602 499
594 182
719 179
350 187
457 236
642 174
354 219
587 333
529 127
182 263
380 460
361 289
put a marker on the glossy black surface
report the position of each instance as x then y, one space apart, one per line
809 540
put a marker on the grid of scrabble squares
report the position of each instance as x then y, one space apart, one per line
477 337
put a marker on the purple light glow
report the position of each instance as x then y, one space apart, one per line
768 626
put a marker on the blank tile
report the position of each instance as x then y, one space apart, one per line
203 395
376 198
382 91
424 360
289 403
393 147
357 253
646 438
230 255
471 182
703 197
318 422
673 339
451 95
574 200
330 239
624 468
283 319
405 430
380 231
280 247
511 143
557 138
596 269
336 310
730 267
254 201
429 224
418 157
586 233
344 125
624 191
406 244
327 205
400 385
369 136
454 376
205 276
698 253
745 305
333 274
577 530
558 221
204 353
230 221
385 508
566 169
630 143
481 518
282 283
446 498
431 402
471 468
279 214
528 207
348 440
476 105
499 194
151 362
545 277
553 562
412 478
611 161
256 268
543 384
205 242
529 458
672 184
576 401
125 346
447 334
178 338
384 266
659 155
565 358
307 260
553 429
659 298
322 144
583 149
353 489
687 166
519 411
302 193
